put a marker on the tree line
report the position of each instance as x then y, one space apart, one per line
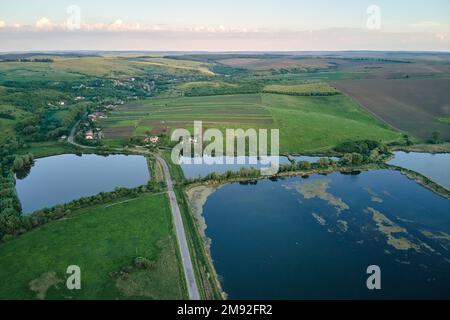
13 224
369 152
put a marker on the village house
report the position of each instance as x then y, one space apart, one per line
89 135
97 115
153 139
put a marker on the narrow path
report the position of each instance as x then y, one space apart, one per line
71 138
181 236
188 268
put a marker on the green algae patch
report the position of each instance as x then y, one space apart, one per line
319 219
318 189
391 231
439 235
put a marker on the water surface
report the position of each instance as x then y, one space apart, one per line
193 170
63 178
297 238
434 166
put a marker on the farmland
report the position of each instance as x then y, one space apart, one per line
78 68
413 106
305 89
317 101
121 67
103 240
304 122
258 64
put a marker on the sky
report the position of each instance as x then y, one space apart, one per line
232 25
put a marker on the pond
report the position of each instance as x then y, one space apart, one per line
434 166
63 178
193 170
313 238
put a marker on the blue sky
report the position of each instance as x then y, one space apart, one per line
259 13
420 19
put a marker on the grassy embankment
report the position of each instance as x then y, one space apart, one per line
49 148
104 241
209 284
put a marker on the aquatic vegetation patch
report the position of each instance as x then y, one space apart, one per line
319 219
389 228
342 225
318 189
375 197
439 235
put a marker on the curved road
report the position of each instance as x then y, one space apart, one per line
188 268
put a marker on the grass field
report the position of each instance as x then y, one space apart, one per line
163 115
103 241
306 124
48 148
314 124
77 68
122 67
263 64
413 105
305 89
29 71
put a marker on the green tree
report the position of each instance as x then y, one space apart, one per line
18 164
435 137
347 159
357 158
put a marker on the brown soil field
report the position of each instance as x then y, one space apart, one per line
159 131
118 132
411 105
277 63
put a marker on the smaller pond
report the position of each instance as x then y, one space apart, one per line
224 164
434 166
61 179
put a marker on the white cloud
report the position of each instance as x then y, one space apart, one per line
119 25
426 24
2 24
441 36
44 23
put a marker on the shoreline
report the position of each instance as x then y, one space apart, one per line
424 148
198 192
196 199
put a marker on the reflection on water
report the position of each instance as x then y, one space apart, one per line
60 179
202 166
434 166
298 238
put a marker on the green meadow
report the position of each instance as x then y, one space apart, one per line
104 241
306 123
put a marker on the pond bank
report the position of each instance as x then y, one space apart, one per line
276 235
428 148
422 180
197 197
